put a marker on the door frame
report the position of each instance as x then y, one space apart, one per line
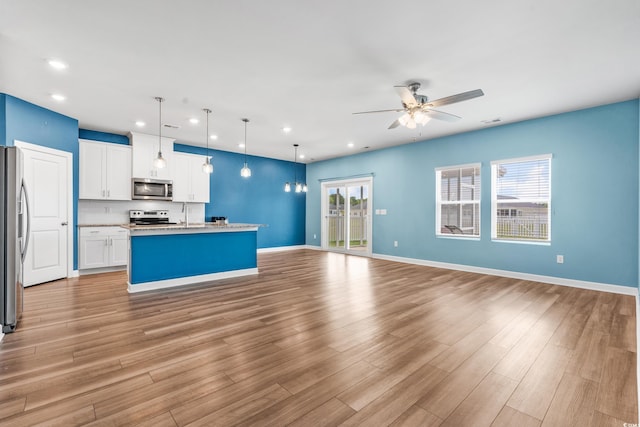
70 221
324 202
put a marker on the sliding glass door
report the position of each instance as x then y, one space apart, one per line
346 216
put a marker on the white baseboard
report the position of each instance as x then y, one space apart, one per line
281 249
594 286
100 270
74 273
190 280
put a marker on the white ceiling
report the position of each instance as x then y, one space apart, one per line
310 65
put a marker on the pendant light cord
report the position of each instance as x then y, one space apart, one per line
160 99
295 163
245 140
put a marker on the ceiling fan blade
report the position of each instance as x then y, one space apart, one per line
464 96
397 110
407 97
394 124
441 115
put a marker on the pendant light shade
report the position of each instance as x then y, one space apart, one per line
159 161
287 187
207 167
245 172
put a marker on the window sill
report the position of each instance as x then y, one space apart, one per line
457 237
522 242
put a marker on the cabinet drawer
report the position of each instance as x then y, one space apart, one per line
102 231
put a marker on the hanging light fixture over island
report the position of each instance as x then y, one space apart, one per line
245 172
159 161
207 167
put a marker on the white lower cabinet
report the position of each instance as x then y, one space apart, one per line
103 247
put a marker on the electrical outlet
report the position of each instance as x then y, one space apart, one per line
560 259
395 243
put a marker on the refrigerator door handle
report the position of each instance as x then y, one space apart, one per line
23 190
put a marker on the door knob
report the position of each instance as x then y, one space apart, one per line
64 223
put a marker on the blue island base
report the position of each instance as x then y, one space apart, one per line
160 261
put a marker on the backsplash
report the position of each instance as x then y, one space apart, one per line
117 212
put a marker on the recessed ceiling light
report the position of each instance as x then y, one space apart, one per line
350 145
58 65
241 145
58 97
140 124
301 156
214 137
286 129
194 121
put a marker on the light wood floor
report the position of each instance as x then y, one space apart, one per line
322 339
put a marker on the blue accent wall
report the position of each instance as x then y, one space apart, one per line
94 135
595 204
259 199
30 123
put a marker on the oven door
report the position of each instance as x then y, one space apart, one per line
149 189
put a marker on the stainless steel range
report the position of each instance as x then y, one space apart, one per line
160 217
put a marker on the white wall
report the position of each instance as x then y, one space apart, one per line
101 212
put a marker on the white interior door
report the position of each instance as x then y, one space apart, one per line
47 179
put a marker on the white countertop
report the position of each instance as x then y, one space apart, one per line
202 227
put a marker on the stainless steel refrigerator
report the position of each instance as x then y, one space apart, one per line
14 229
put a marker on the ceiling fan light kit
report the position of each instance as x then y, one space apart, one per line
419 110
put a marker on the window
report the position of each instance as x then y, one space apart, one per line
458 201
521 199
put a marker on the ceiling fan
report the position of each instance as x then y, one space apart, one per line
419 110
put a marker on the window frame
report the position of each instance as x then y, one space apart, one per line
495 202
439 201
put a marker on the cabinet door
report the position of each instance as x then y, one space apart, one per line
144 152
119 249
199 181
119 172
181 177
92 170
94 252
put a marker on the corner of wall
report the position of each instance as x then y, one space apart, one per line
3 119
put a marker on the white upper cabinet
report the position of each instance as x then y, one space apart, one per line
105 171
190 183
145 150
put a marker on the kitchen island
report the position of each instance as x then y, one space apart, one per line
163 256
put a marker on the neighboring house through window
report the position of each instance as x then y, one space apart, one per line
521 199
458 201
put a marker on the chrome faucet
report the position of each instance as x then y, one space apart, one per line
185 209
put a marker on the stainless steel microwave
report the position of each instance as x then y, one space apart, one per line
151 189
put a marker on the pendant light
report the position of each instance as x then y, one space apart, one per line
299 187
207 167
159 161
245 172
